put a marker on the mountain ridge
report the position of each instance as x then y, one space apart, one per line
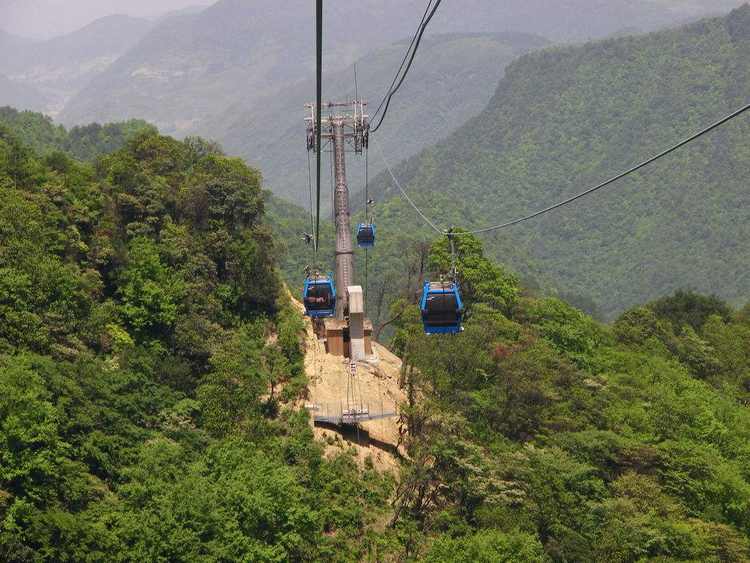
218 54
465 65
59 67
567 117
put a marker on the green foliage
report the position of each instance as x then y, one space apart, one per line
488 546
148 356
563 119
541 429
149 294
689 308
481 280
82 142
569 330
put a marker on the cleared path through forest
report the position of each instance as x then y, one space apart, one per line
376 384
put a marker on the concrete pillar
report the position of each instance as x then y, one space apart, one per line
356 323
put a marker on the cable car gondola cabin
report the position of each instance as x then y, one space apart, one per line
365 235
442 308
319 297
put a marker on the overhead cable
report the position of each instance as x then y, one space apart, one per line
614 179
584 193
406 196
403 61
422 29
318 110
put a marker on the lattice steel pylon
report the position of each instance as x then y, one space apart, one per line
344 125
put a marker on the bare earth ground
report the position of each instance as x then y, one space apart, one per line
376 387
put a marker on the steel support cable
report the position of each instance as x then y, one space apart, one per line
403 61
451 240
423 28
604 184
368 218
318 109
366 266
614 179
367 181
403 193
309 188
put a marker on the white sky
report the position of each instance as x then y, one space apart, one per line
46 18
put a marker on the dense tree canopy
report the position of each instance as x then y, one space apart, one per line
564 119
148 358
540 434
83 142
152 374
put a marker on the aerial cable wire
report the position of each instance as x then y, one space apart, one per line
367 180
318 110
393 91
576 197
614 179
403 61
309 187
403 192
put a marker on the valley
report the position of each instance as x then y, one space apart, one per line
182 379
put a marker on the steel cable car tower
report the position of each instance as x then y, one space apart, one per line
345 126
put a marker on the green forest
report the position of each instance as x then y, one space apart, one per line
88 142
149 361
154 357
151 377
564 119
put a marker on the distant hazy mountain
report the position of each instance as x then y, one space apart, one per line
192 67
20 95
60 67
453 80
576 20
8 40
564 119
45 19
186 11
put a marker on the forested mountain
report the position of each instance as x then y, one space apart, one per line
20 95
86 142
192 67
147 353
151 373
154 370
9 41
60 67
453 80
558 439
564 119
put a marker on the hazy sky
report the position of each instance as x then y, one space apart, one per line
46 18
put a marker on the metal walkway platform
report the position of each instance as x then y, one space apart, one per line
343 415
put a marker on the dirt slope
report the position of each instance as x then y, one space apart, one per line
376 387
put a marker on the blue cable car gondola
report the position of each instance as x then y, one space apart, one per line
442 308
319 296
365 235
